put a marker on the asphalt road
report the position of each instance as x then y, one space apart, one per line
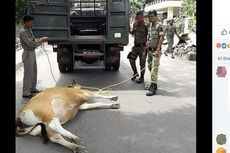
164 123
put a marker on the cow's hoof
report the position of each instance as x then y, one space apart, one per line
116 106
114 98
80 149
75 140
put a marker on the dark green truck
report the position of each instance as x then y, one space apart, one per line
83 30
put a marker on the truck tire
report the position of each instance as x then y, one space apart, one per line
62 68
69 68
116 65
108 66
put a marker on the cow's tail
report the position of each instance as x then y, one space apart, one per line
43 131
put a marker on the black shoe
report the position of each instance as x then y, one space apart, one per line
29 95
35 91
172 56
155 86
165 54
152 90
141 79
135 74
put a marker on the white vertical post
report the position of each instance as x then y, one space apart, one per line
170 13
186 20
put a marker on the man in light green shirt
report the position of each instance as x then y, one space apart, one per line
29 44
154 43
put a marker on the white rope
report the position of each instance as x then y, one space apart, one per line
51 71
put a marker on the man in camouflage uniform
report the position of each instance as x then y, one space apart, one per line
170 30
140 31
154 43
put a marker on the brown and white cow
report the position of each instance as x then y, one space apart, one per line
45 113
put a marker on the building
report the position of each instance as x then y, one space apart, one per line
168 8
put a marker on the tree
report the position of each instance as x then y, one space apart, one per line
20 9
188 7
134 6
189 10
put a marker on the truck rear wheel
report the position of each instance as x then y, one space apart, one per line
62 67
69 68
116 65
108 66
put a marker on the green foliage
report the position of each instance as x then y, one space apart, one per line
20 9
188 7
189 10
192 24
134 6
179 23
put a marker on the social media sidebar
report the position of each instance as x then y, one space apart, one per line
221 95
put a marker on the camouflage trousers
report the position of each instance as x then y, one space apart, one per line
153 67
170 45
138 51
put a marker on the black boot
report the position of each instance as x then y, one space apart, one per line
135 74
155 86
141 79
152 90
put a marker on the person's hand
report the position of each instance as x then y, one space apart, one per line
44 39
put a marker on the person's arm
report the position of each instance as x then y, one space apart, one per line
160 42
147 42
133 29
32 44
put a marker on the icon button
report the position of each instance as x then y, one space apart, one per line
224 45
221 150
224 32
228 45
221 71
221 139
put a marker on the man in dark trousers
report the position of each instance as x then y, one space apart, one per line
140 31
29 44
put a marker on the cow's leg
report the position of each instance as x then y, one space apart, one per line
57 138
56 125
93 95
99 96
86 106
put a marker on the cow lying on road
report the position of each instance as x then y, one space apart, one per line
45 113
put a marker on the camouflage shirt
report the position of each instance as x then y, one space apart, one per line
155 31
140 31
170 30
